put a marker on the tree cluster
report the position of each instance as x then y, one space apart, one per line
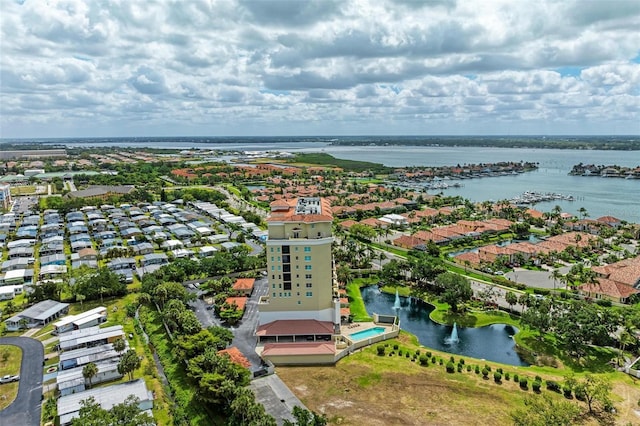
101 283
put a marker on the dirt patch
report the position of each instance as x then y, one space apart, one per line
368 389
416 398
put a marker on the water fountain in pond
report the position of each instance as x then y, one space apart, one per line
454 336
396 304
492 342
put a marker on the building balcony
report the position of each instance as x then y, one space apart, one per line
319 236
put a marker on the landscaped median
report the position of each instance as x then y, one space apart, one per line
10 361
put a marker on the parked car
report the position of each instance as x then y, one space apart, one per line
9 378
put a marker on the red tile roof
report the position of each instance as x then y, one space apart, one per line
244 284
609 288
240 302
236 356
314 348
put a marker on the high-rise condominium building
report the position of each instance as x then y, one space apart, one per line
300 265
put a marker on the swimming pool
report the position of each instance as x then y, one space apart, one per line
365 334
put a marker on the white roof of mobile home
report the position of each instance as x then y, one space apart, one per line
69 405
87 335
73 318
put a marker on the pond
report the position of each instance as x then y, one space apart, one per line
494 342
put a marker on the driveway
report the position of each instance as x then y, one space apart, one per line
25 410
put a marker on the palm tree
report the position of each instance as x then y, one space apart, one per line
381 256
555 276
80 298
89 371
583 212
343 274
119 345
625 338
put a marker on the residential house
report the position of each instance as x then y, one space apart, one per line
69 405
40 314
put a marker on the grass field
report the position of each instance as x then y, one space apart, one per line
365 388
23 190
10 360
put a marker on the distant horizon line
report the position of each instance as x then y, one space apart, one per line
565 135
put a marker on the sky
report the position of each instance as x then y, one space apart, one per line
330 67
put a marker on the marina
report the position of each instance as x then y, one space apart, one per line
533 197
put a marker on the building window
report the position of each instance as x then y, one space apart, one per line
273 268
307 258
273 259
307 249
280 294
274 286
298 293
309 285
274 295
299 302
271 252
307 276
307 267
278 250
296 248
309 293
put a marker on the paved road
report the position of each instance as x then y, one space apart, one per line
270 391
25 410
243 337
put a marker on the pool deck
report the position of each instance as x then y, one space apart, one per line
351 329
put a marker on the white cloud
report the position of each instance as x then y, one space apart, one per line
277 67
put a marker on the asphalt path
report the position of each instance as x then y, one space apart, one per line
25 410
243 333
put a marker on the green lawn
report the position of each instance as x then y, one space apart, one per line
395 250
356 304
10 360
23 190
474 318
550 353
